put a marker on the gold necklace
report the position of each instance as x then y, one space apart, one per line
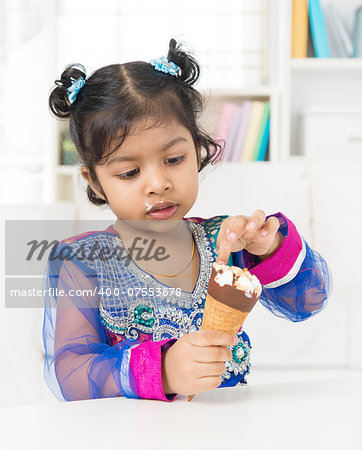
162 275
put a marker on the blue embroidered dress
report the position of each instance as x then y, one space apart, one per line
108 341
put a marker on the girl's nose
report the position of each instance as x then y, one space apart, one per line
159 188
158 184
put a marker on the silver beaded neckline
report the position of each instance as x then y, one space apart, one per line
185 299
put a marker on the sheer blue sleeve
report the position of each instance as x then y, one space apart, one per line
305 295
79 362
296 279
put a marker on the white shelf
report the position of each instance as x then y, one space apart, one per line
30 162
66 170
252 91
332 65
319 84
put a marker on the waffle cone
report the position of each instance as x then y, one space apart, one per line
221 317
229 312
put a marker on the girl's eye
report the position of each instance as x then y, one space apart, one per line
128 175
134 172
176 160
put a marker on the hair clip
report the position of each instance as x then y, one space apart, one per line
163 65
74 88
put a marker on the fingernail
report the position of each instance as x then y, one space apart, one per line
232 236
235 341
251 225
264 233
219 261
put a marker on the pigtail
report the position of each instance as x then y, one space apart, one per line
190 70
59 103
190 73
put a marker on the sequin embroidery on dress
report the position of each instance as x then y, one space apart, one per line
128 311
167 313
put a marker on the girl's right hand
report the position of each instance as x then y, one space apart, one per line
196 361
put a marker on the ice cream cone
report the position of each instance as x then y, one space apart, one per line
221 317
227 307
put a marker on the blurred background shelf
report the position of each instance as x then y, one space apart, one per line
66 170
249 59
327 65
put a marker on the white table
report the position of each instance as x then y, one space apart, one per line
319 414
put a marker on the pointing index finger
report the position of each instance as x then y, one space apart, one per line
223 251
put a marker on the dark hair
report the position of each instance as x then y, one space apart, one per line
116 97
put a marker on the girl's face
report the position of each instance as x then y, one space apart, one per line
151 166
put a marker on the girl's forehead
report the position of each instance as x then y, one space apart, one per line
147 135
150 126
151 133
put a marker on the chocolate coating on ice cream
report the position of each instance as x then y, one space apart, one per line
231 296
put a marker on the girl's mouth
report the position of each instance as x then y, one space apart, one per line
163 213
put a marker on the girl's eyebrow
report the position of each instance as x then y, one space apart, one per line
132 158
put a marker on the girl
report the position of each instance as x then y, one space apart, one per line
123 322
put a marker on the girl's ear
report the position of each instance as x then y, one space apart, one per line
87 176
199 156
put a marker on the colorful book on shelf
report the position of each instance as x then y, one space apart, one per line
340 42
242 127
262 156
318 30
256 114
300 29
224 124
310 47
233 134
261 131
267 151
357 34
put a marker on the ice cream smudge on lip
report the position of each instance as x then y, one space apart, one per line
148 207
238 278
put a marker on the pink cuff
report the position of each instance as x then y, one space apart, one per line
280 263
146 366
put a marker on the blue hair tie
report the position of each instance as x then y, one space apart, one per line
163 65
74 88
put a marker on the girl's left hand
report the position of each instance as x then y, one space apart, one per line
255 234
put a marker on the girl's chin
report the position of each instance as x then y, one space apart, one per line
150 224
